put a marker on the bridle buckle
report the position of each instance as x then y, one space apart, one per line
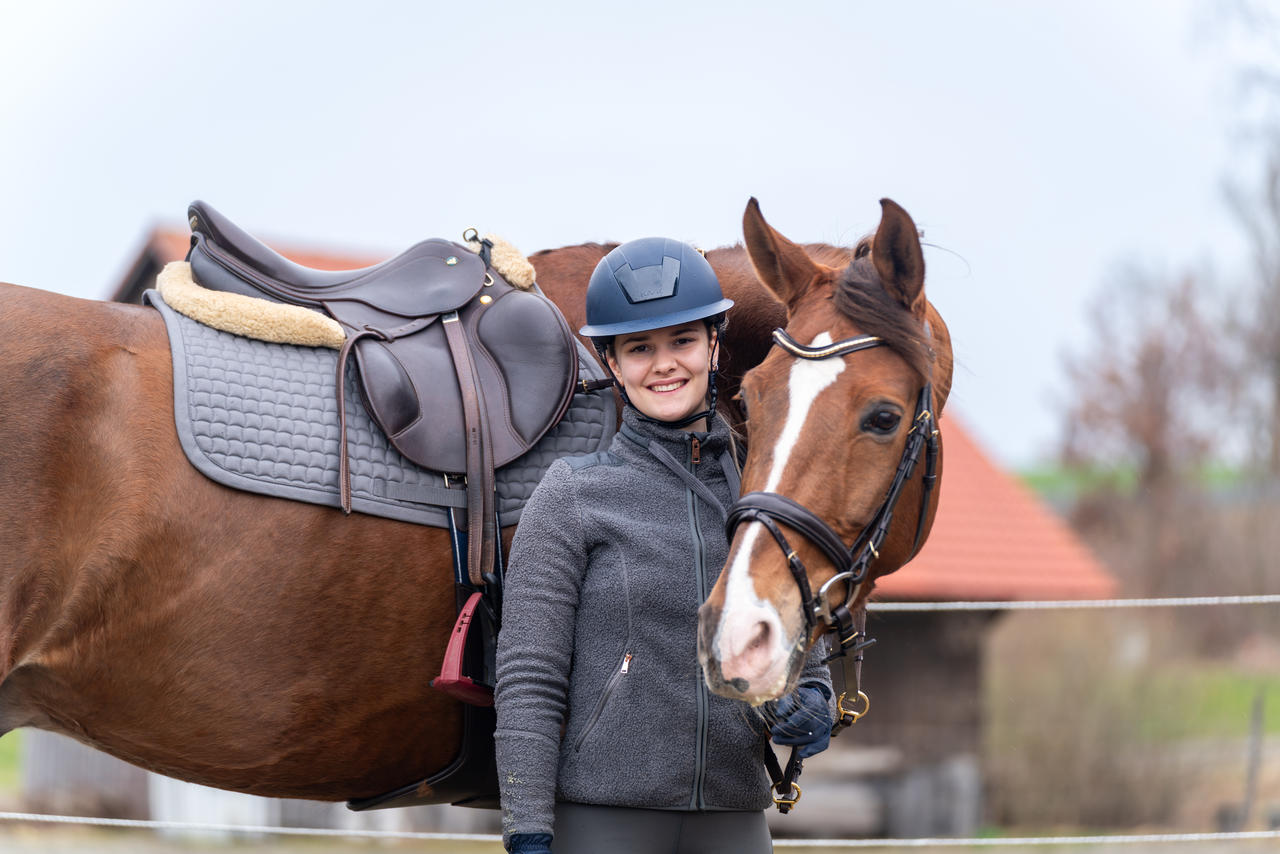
792 798
849 717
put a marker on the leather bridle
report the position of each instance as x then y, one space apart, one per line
851 562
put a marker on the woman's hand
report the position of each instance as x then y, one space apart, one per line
804 719
530 843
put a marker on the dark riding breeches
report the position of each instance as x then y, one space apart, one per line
586 829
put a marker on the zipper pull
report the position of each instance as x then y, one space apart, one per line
626 662
697 449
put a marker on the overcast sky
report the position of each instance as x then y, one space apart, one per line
1039 145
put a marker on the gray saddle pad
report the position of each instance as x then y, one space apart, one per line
264 418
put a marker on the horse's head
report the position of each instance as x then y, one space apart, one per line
830 412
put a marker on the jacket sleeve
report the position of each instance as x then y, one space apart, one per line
535 651
815 671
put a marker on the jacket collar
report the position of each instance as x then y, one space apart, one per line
642 431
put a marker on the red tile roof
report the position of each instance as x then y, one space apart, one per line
169 245
992 538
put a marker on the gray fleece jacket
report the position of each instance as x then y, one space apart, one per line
600 698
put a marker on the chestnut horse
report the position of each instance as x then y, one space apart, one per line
864 361
236 640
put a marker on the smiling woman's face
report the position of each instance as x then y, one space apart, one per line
664 371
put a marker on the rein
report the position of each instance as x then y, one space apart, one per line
851 562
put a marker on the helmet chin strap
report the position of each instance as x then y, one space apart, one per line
707 413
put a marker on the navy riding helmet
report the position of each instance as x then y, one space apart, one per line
648 284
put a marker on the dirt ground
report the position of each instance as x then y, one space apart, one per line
44 839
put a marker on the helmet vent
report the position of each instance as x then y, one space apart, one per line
649 283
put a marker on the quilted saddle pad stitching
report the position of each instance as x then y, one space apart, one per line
263 418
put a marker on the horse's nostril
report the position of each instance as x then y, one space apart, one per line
746 650
760 638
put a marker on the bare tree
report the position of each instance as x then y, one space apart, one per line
1154 388
1252 27
1257 321
1152 394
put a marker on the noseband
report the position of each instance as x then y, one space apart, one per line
850 562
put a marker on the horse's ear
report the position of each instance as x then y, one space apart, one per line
781 265
896 252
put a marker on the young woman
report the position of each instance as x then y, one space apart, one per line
608 739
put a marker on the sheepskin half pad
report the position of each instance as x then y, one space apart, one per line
262 319
263 417
281 323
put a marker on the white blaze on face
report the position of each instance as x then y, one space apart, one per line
806 381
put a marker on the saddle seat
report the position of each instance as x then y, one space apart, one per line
430 277
463 371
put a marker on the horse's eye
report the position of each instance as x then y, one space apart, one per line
882 421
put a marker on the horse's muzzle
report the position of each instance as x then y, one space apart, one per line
745 656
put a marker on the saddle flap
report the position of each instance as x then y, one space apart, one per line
525 366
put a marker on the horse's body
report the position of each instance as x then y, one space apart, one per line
224 638
230 639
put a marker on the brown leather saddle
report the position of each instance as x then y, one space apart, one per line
463 371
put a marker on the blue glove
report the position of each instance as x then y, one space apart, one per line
530 843
804 719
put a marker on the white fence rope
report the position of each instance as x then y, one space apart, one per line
1027 841
778 843
141 824
1047 605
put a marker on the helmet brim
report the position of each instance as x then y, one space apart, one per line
659 321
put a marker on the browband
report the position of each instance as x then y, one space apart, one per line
848 345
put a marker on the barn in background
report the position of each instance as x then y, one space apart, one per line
910 768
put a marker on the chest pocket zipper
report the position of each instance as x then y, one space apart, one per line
604 698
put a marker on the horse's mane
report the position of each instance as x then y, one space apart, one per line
860 297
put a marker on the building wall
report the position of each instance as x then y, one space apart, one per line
63 777
924 678
910 768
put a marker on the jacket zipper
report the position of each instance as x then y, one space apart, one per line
604 698
697 800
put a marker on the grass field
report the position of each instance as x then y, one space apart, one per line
1219 702
1061 484
10 753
